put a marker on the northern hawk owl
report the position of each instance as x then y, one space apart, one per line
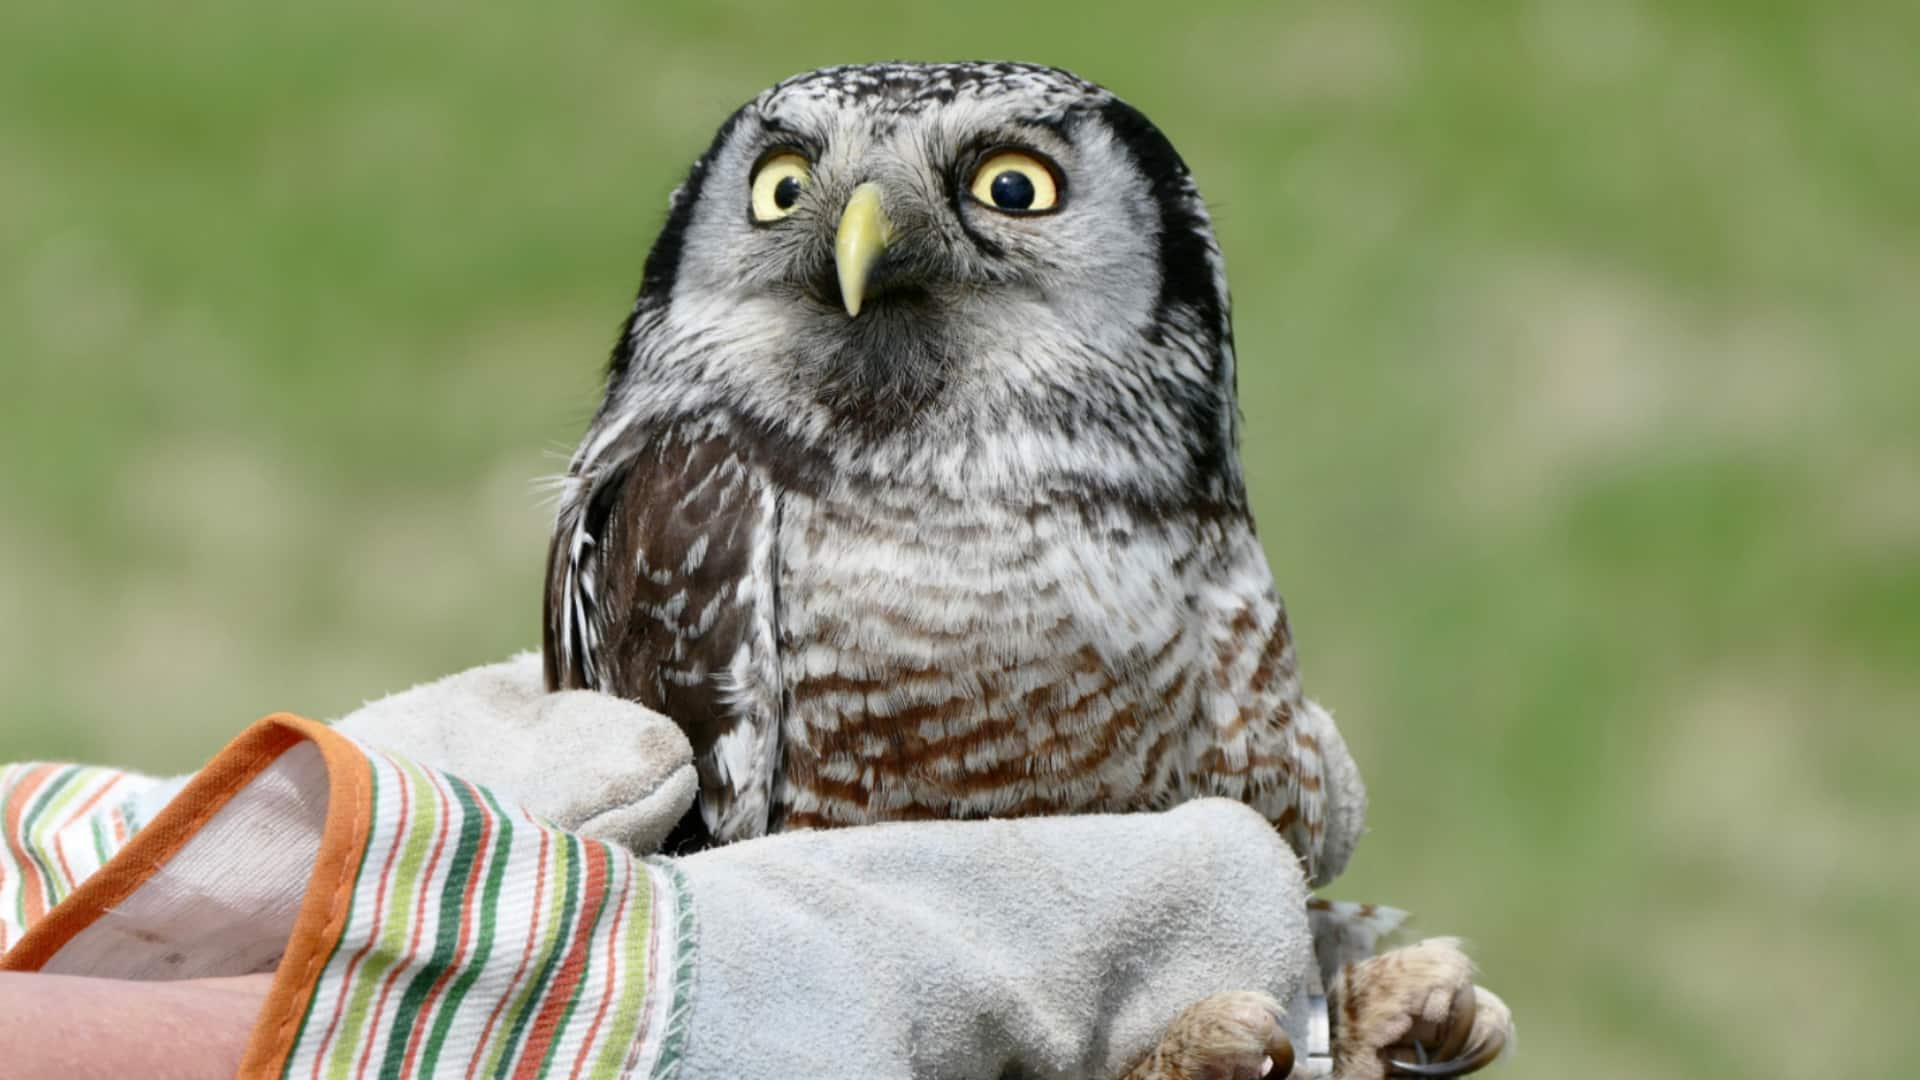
916 493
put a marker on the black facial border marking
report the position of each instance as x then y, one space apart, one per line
662 267
1186 262
663 262
1187 282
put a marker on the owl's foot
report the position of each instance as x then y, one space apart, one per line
1415 1011
1230 1036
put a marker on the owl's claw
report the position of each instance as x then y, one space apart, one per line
1458 1027
1476 1057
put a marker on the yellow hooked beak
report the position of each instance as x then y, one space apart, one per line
864 235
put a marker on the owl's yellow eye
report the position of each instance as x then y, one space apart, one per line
777 185
1016 182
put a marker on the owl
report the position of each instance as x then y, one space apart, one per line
915 491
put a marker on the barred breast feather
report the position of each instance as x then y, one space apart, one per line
842 654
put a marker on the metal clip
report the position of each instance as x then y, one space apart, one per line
1317 1062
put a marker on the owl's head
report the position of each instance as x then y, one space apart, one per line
996 273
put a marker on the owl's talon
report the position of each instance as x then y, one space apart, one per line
1483 1053
1479 1056
1417 1068
1457 1029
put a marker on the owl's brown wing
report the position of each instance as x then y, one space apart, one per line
660 588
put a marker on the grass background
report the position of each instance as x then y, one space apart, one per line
1579 363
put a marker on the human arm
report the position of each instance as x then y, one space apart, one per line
82 1028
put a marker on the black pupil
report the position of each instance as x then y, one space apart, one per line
786 192
1012 190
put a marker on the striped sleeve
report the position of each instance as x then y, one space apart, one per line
418 924
58 824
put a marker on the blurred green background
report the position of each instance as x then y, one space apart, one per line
1579 359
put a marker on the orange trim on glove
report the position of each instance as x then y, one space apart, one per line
323 912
